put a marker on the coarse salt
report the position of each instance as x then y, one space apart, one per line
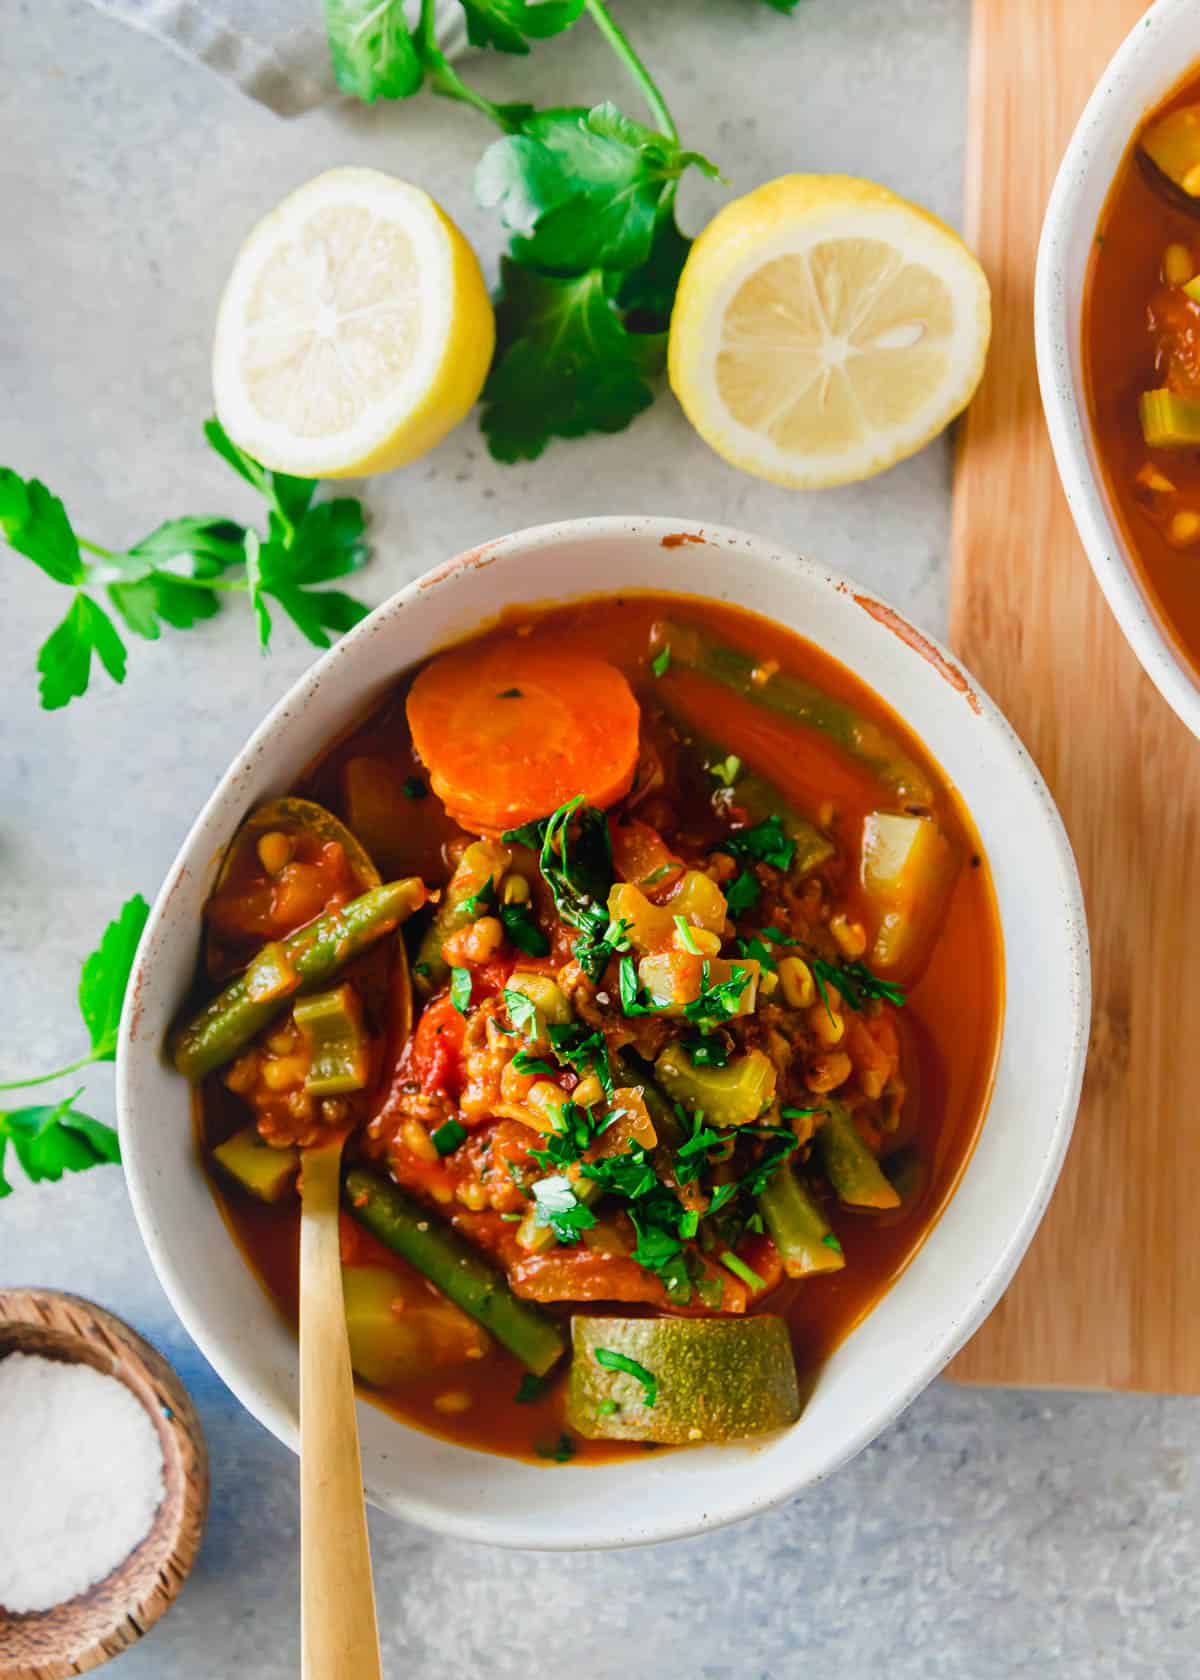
81 1476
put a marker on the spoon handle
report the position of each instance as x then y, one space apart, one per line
339 1632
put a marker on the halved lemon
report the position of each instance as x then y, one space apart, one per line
354 331
824 329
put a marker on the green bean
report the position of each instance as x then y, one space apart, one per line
849 1165
483 863
799 701
806 1244
315 953
455 1268
756 795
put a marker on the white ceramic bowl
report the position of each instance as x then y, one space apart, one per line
1149 63
968 1258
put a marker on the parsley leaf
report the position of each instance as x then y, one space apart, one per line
35 523
523 931
414 788
661 662
64 660
767 842
582 189
557 1206
530 1388
707 1050
508 25
611 1360
522 1011
105 976
854 981
460 989
49 1140
448 1136
742 893
373 54
305 545
565 363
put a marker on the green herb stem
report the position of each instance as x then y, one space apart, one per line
446 80
94 548
49 1078
234 586
623 47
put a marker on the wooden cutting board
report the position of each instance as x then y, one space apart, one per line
1109 1294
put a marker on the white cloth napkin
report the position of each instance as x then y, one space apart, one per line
274 50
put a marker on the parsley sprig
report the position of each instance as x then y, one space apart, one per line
50 1139
586 196
179 574
575 857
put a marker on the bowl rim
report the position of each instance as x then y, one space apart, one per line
1056 334
412 1506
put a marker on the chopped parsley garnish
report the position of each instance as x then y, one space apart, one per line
614 1361
522 1011
414 788
557 1206
561 1451
578 870
606 1408
422 968
530 1388
523 931
657 875
718 1001
727 771
524 1062
583 1050
448 1136
831 1241
629 1175
740 1269
707 1050
854 981
797 1113
460 989
742 893
766 842
661 662
483 898
687 935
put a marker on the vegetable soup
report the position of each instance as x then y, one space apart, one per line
653 971
1141 357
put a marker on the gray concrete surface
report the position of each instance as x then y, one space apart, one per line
988 1534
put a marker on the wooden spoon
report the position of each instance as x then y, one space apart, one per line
339 1630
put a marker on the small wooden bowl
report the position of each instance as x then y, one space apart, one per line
98 1624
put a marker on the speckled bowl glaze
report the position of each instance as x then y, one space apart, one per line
969 1256
1150 62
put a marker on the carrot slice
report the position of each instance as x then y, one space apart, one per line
508 736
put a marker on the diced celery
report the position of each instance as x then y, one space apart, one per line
731 1095
332 1025
1170 421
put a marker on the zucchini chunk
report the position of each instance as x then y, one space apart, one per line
266 1174
679 1380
